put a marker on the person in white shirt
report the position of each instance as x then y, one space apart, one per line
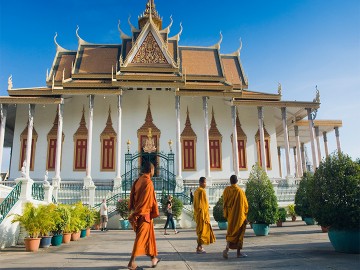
103 215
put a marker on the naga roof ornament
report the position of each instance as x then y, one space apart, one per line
58 47
177 37
80 40
167 29
122 34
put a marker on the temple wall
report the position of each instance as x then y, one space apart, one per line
134 107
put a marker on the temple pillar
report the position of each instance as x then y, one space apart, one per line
303 159
317 135
206 138
178 156
295 163
300 158
326 144
337 134
279 160
117 179
57 178
262 139
3 115
88 180
312 140
29 140
286 140
235 141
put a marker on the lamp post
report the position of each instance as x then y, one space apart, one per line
170 145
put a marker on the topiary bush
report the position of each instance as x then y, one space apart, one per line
334 193
261 197
302 203
218 210
281 214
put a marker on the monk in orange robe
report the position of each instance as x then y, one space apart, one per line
204 231
235 211
144 208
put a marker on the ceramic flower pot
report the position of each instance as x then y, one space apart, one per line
83 233
261 229
45 241
66 238
222 225
345 241
32 244
75 236
124 224
56 240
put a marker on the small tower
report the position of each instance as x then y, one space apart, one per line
150 12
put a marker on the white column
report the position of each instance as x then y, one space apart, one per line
117 180
303 159
298 153
295 163
317 135
235 141
262 139
206 137
337 134
286 140
3 114
59 138
178 156
279 161
326 144
312 140
29 139
88 180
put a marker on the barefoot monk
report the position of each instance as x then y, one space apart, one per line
144 208
235 211
204 231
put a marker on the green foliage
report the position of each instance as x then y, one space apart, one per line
122 207
291 210
61 216
46 215
30 219
88 216
218 210
282 214
177 207
77 221
302 203
96 215
261 197
335 193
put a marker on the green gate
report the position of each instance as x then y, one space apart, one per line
164 178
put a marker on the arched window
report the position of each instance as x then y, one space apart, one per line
80 145
188 142
52 140
215 139
23 141
267 148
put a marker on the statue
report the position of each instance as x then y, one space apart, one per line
23 170
149 143
10 84
46 182
279 89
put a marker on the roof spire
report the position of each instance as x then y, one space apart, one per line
151 14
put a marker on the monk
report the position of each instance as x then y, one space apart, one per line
235 211
144 208
204 231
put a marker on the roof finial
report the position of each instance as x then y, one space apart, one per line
58 47
167 29
317 97
149 102
217 45
279 89
133 28
10 83
122 34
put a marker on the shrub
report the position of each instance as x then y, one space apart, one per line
61 217
335 193
218 210
29 219
302 203
291 210
46 215
282 214
177 207
261 197
122 207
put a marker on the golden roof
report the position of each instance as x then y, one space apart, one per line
149 122
108 130
214 131
188 131
82 129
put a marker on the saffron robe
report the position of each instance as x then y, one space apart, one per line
235 211
145 207
204 231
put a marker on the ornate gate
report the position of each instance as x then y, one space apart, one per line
164 178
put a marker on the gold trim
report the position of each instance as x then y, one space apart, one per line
320 123
30 100
268 103
149 68
89 91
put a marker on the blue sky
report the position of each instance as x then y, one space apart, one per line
298 43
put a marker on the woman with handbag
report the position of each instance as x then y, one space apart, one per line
170 217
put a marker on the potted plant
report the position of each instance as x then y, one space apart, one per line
76 224
96 214
218 213
302 203
61 217
67 232
47 224
122 208
31 222
281 216
262 201
291 211
177 207
334 199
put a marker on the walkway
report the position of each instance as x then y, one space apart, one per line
294 246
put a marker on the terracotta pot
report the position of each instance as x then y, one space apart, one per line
293 218
87 231
279 223
75 236
32 244
66 238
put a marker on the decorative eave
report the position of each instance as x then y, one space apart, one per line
36 91
149 123
278 104
108 130
90 91
239 131
260 95
54 129
25 132
88 84
214 86
82 130
266 134
211 93
149 77
31 100
146 84
322 123
148 68
100 76
188 132
214 132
